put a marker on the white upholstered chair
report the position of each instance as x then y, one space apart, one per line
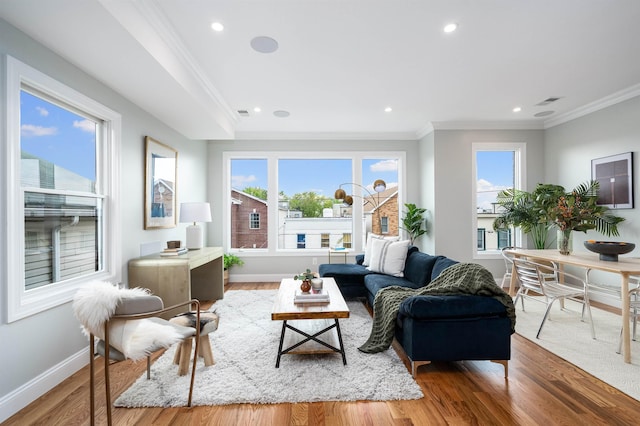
127 325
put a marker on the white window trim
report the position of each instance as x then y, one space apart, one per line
520 180
272 193
19 302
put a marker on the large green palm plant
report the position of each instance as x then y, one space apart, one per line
550 205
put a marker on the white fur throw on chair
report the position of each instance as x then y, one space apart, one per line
96 302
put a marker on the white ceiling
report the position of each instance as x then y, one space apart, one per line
341 62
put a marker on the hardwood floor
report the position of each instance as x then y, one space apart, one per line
542 389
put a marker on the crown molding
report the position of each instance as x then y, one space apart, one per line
607 101
487 125
364 136
149 26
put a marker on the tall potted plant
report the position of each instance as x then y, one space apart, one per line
413 221
528 211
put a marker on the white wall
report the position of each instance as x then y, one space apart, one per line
43 349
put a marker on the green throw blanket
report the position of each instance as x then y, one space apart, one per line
461 278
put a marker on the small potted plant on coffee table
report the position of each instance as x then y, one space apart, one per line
306 278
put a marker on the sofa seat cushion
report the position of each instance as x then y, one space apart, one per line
434 307
345 274
376 282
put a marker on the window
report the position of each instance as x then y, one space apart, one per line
346 241
384 225
497 166
504 238
302 240
294 195
62 168
254 220
481 239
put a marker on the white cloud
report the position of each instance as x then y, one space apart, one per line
28 130
487 193
384 166
43 111
242 181
85 125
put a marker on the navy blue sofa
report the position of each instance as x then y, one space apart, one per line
433 328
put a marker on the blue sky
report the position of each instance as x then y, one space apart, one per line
320 176
494 173
57 135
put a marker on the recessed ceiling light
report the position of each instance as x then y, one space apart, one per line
388 109
517 109
257 109
217 26
449 28
281 113
264 44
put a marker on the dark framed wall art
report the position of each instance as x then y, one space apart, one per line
161 162
615 176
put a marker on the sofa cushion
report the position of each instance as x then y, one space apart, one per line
344 272
376 282
442 263
434 307
418 267
369 248
388 257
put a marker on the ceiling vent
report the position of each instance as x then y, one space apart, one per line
548 101
243 113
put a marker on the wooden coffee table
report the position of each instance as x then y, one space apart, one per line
308 321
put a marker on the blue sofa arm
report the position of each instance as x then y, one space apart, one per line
359 259
450 307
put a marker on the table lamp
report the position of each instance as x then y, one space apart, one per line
195 212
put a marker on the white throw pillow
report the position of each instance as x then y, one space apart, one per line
388 257
368 249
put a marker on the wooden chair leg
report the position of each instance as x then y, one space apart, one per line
205 350
176 356
185 353
92 393
415 365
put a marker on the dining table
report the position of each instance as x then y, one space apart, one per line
625 267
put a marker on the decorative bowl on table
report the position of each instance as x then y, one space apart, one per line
609 250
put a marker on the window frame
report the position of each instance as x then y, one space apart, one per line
21 303
520 182
272 158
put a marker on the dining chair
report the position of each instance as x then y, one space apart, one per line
634 306
553 284
127 325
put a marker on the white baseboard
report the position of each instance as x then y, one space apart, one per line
256 278
19 398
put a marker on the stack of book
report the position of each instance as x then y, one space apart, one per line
313 296
174 251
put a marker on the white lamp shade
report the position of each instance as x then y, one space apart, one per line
195 212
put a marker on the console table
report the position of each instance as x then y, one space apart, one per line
197 274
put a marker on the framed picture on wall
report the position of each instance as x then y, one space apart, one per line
615 176
161 163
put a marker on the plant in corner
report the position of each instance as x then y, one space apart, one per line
229 260
413 221
232 259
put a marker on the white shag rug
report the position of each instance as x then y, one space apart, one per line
245 348
567 336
